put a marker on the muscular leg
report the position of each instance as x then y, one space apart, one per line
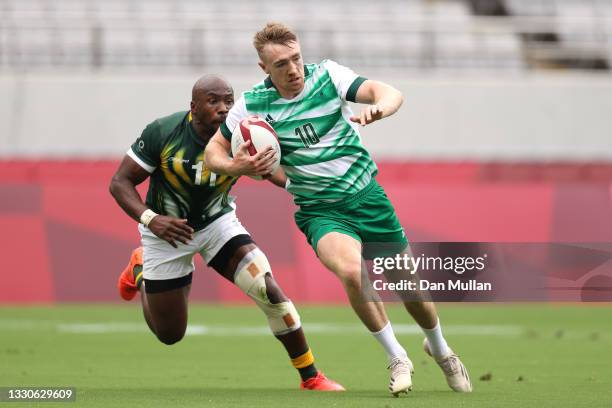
424 313
166 313
421 308
164 302
341 254
294 341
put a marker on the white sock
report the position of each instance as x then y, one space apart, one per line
387 339
436 341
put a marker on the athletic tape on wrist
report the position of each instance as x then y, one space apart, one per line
147 216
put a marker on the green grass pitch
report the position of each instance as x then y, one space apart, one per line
527 355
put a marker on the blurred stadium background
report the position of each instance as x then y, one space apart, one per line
505 135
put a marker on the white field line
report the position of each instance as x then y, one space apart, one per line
228 330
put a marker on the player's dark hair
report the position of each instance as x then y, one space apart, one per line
275 33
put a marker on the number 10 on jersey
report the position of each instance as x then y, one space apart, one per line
307 134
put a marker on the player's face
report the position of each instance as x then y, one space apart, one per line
285 66
211 107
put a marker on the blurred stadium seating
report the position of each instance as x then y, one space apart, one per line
406 34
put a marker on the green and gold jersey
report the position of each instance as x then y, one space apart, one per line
321 150
180 184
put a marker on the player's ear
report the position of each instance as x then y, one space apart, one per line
192 106
263 67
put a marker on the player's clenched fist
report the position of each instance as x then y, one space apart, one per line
171 229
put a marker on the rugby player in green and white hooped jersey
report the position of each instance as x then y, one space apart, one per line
321 151
332 178
187 211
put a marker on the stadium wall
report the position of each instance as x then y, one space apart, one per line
559 117
506 159
65 240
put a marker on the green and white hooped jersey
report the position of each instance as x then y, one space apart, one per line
321 150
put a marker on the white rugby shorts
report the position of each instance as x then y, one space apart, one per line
161 261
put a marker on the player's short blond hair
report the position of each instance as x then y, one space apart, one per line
275 33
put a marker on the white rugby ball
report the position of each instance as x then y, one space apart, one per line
261 135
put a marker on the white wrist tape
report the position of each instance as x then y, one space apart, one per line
147 216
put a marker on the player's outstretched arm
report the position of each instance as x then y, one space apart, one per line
123 189
382 100
243 164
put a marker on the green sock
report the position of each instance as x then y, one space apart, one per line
307 372
138 275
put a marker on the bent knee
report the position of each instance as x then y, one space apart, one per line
273 291
171 336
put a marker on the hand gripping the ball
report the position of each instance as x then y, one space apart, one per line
255 148
260 164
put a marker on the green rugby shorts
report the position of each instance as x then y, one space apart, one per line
367 216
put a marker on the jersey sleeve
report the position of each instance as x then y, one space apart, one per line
235 115
347 82
146 149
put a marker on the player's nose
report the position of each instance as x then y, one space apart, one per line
293 68
223 108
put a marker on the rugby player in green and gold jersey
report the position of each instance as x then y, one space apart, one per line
332 179
188 211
